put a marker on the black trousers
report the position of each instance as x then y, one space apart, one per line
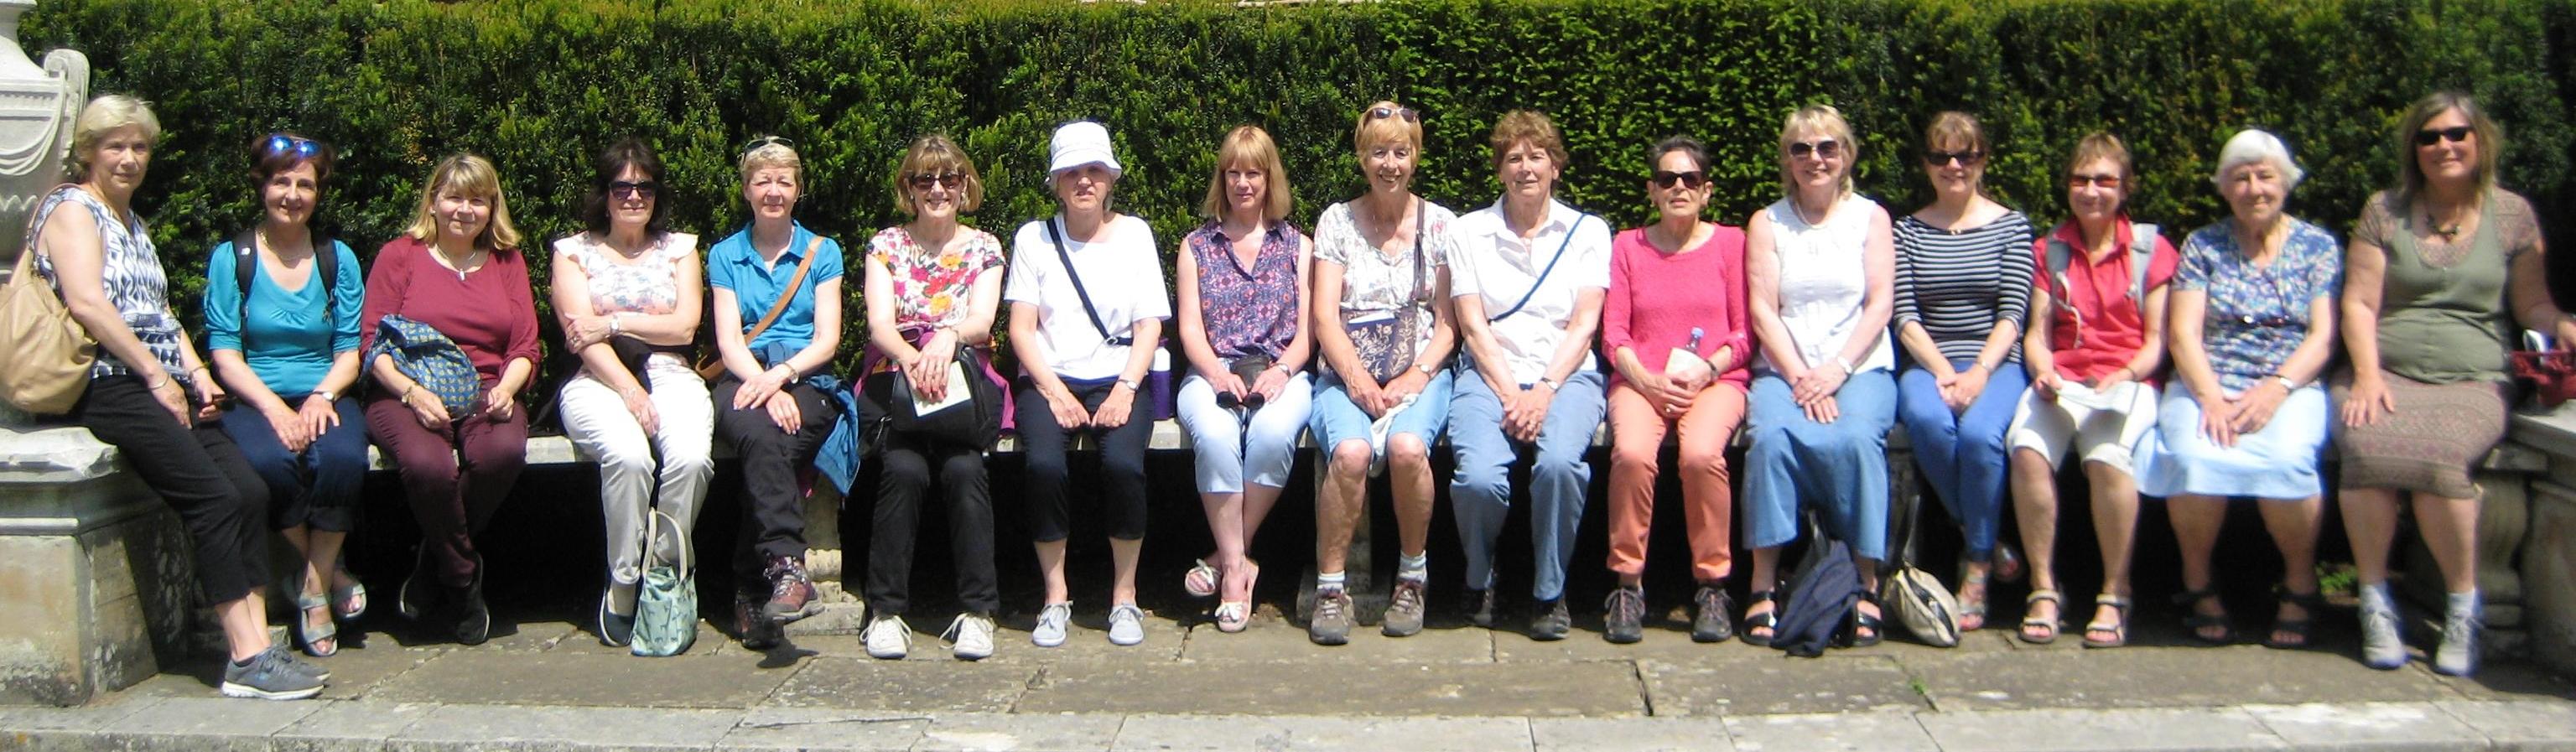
1122 464
199 472
904 478
773 503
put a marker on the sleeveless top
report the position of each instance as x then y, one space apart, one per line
131 272
1824 282
1248 311
647 284
2447 324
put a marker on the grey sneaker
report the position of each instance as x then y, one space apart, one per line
1551 623
887 637
1126 624
1404 612
1052 622
1624 619
270 675
2458 654
1715 621
2381 646
970 637
1331 622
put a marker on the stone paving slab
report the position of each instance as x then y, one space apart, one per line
2520 725
345 726
2407 726
2132 678
211 724
1602 689
906 686
780 728
1630 735
473 728
1771 683
2058 730
1277 641
1172 733
501 677
1025 732
1830 732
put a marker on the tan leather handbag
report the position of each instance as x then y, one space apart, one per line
49 354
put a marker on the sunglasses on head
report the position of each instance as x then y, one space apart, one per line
2079 181
280 143
1961 158
627 190
1823 149
922 182
1382 113
1667 179
756 143
2454 134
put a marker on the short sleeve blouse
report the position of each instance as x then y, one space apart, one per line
1376 284
931 292
2257 314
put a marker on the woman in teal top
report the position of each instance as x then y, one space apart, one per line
287 347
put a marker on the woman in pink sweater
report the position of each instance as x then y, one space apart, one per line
1674 326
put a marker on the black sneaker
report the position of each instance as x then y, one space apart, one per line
473 617
615 629
1331 622
1552 622
1714 622
1624 616
420 591
1480 608
753 626
268 676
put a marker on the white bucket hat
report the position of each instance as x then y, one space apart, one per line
1080 143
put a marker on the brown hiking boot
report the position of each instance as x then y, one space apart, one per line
791 591
1404 612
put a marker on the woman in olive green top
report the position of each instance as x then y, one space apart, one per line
2439 270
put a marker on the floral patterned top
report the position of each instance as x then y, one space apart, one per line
2257 314
1375 284
930 293
647 284
1248 311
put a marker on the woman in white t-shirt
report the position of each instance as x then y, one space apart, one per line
1086 336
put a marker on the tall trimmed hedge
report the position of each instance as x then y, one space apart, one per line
542 85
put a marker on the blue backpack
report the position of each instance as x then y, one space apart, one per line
422 353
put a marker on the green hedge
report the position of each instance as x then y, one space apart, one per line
541 85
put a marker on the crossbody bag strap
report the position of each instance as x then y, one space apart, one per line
787 297
1067 258
1543 273
2142 257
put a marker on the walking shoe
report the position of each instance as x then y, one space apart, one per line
1552 622
1624 616
318 671
888 637
791 591
752 625
1052 622
1404 611
2381 646
1126 624
2458 654
615 629
1331 622
268 676
1480 608
1715 621
419 594
970 637
473 616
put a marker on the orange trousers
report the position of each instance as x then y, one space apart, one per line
1636 445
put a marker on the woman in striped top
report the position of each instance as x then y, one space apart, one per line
1963 271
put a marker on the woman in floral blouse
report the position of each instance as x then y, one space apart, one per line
928 293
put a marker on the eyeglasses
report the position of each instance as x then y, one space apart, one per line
1961 158
1666 179
2080 181
1407 113
756 143
927 182
1823 149
280 143
629 190
2431 136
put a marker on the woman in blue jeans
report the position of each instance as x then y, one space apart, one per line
287 346
1819 266
1963 274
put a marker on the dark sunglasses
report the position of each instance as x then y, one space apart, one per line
280 143
631 189
1961 158
1407 113
2431 136
756 143
1825 149
1667 178
2079 181
927 182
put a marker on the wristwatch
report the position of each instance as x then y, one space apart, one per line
1551 384
1131 384
326 395
1427 367
2287 384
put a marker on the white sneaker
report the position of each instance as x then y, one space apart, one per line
1052 622
970 637
2381 647
2458 653
1126 624
888 637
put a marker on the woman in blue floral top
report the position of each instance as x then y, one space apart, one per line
2252 327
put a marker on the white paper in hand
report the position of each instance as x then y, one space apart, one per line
957 393
1680 359
2116 399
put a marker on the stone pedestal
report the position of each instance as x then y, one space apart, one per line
843 613
2549 576
95 573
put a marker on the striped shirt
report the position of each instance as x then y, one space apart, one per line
1960 285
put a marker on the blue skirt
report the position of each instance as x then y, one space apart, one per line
2277 463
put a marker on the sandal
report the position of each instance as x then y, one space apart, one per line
311 638
1876 624
2039 630
2193 621
1233 616
1200 581
1972 611
349 602
2310 604
1768 621
2118 630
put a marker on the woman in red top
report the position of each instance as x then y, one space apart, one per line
1673 324
2092 348
457 270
